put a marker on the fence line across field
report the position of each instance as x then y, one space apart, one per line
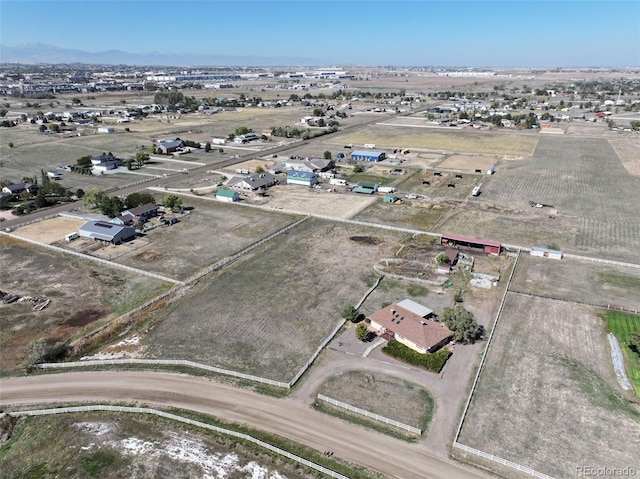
369 414
174 417
504 462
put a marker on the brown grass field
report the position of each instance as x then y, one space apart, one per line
81 293
49 231
212 231
459 141
468 162
412 405
547 396
578 281
267 313
627 151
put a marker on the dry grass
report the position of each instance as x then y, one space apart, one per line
266 314
212 231
467 162
411 404
459 141
81 293
627 150
576 280
548 393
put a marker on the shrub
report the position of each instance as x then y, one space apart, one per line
363 333
431 362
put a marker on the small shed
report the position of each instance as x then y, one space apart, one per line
546 253
229 196
390 199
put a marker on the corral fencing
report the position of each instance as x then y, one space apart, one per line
93 258
230 259
504 462
579 301
48 217
162 362
368 414
368 292
603 261
380 270
185 420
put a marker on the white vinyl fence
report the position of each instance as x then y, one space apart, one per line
504 462
362 412
228 432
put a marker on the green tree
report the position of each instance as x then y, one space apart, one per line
54 127
242 130
141 158
441 259
318 112
351 314
42 128
327 155
363 333
93 197
84 162
3 112
634 343
111 206
357 168
207 147
173 202
462 324
137 199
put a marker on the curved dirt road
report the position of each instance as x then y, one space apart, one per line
283 417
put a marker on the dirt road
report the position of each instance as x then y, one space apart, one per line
284 417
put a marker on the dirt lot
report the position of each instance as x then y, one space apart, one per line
627 151
412 405
81 293
245 318
548 395
49 231
409 214
576 280
299 199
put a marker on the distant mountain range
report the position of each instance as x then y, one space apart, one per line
44 53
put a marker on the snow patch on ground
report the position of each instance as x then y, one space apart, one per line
192 451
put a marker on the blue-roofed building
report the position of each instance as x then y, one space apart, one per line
360 155
304 178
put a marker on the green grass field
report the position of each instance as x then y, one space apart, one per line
623 325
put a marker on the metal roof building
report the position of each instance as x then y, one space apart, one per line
304 178
100 230
360 155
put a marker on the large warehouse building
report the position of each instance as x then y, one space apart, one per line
367 155
103 231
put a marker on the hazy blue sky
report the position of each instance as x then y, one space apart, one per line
454 33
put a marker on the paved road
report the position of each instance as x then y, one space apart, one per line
284 417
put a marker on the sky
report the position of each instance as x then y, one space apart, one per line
477 33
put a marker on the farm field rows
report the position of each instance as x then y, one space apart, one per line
81 294
466 141
627 151
575 280
585 181
266 314
547 397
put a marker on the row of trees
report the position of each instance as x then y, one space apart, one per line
113 206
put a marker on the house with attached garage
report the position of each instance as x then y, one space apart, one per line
303 178
169 146
411 324
105 161
16 189
257 182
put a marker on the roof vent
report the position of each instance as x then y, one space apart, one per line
423 322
